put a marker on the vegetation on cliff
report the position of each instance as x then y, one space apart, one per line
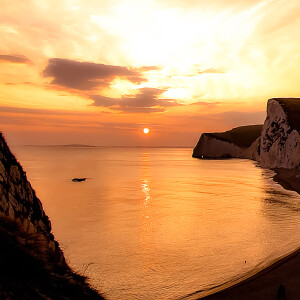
242 136
291 106
30 270
32 265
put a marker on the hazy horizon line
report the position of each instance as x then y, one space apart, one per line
98 146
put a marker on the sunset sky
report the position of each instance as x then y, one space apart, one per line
97 72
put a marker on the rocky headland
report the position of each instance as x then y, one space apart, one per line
275 144
32 264
240 142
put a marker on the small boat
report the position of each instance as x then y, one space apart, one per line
78 179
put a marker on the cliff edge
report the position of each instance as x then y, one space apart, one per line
280 139
275 144
241 142
32 263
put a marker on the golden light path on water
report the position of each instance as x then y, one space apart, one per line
146 191
146 227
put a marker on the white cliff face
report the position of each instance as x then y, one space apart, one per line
280 144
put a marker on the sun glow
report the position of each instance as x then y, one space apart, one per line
165 64
166 36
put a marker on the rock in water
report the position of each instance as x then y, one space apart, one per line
78 179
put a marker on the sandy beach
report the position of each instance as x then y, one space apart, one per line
281 280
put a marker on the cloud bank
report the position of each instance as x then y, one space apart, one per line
87 75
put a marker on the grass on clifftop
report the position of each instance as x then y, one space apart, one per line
292 108
29 270
242 136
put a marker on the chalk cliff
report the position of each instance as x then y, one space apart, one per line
32 263
240 142
275 144
280 139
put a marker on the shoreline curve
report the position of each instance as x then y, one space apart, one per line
280 279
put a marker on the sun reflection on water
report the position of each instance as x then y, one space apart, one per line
146 191
145 187
146 203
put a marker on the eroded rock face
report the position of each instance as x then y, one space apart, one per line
18 200
280 143
240 142
211 147
252 152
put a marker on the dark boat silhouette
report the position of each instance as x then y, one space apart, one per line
78 179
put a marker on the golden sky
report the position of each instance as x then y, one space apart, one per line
97 71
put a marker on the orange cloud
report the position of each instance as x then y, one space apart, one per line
211 71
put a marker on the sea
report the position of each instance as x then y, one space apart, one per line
155 223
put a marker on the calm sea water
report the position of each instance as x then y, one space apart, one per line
157 223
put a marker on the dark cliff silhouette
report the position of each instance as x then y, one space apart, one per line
32 265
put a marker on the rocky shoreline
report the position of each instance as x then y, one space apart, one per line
288 178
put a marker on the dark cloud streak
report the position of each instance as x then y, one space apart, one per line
20 59
87 75
146 101
36 111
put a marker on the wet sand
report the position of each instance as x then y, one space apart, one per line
281 280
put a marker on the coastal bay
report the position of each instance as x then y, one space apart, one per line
158 222
278 280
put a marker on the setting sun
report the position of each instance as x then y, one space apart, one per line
146 130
